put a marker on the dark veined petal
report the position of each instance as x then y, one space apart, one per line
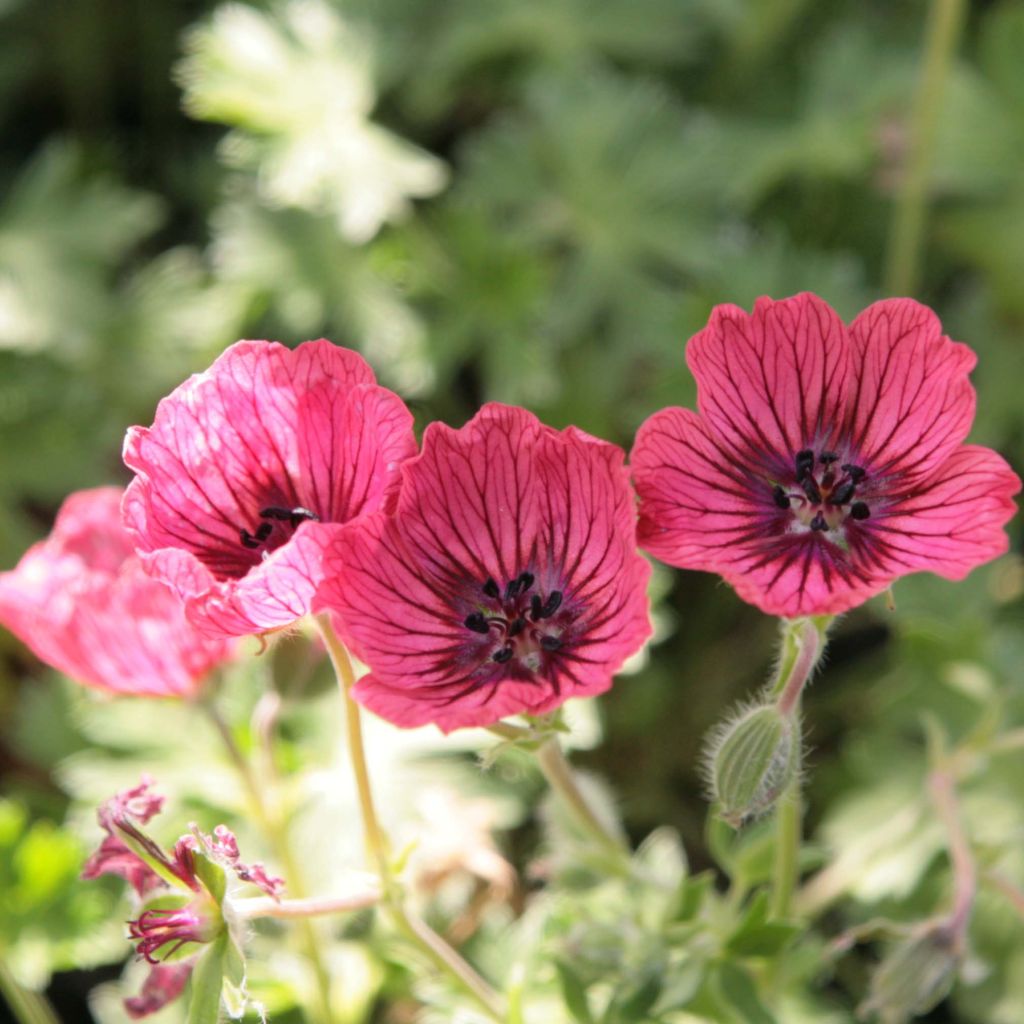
912 403
952 522
774 381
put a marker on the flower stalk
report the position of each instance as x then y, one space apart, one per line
26 1006
270 821
802 646
432 945
562 779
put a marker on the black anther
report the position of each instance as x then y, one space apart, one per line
843 494
491 588
780 497
827 458
264 530
819 524
505 654
804 462
512 590
811 489
855 473
247 539
535 607
516 626
476 622
551 643
551 605
525 581
276 512
860 510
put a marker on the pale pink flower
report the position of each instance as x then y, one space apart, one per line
506 581
248 471
82 602
826 461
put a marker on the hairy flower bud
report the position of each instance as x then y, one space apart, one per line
915 976
751 761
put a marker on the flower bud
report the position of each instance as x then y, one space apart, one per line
915 976
751 761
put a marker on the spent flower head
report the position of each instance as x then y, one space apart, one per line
826 461
183 892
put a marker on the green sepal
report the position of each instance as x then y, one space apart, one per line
212 875
207 983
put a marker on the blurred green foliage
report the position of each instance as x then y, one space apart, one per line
533 201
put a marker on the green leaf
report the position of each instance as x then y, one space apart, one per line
574 993
737 992
207 981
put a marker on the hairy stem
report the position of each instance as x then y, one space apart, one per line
906 237
26 1006
942 787
264 906
268 815
802 647
417 931
562 779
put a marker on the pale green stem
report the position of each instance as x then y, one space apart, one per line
417 931
26 1006
264 906
562 780
906 237
942 787
275 831
801 649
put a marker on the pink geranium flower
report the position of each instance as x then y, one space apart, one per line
506 581
82 601
250 468
826 460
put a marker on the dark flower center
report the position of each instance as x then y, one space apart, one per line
519 621
824 493
277 525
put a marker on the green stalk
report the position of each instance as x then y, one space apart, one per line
275 831
444 958
906 238
26 1006
802 645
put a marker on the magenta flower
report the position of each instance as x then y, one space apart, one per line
826 461
506 581
82 602
248 471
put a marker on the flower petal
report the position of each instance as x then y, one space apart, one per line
163 984
775 381
82 602
694 501
953 521
912 404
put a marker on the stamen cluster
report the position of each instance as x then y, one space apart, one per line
513 620
824 498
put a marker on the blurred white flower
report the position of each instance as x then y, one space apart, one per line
297 85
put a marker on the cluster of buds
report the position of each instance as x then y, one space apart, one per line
183 892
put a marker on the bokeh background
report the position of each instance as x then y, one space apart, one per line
537 202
